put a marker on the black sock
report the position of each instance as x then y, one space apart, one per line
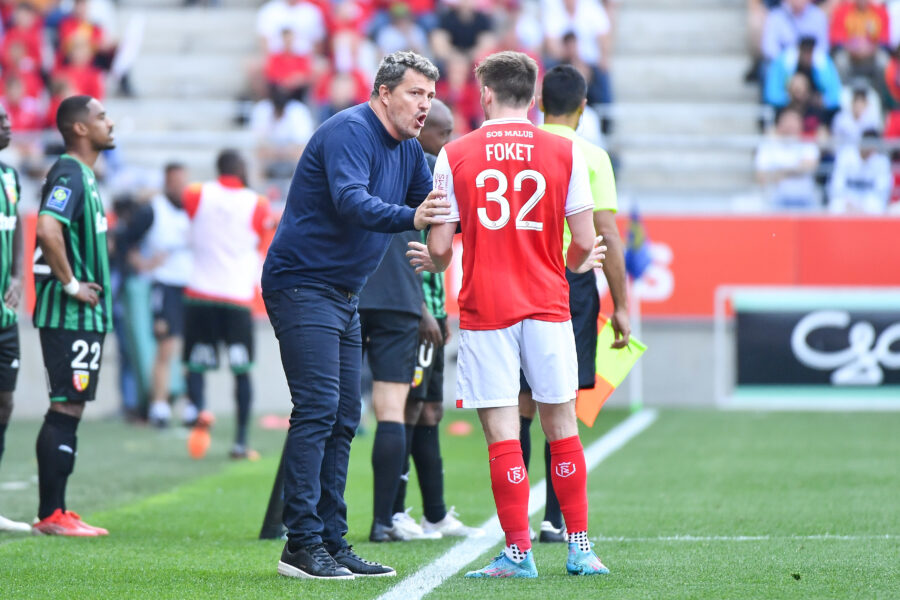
525 439
56 447
387 464
195 385
400 499
244 397
2 438
426 452
552 512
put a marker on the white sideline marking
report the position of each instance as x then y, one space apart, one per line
13 486
744 538
429 577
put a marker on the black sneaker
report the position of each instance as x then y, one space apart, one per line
551 534
311 562
357 565
383 533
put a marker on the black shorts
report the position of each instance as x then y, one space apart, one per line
72 360
428 377
206 325
584 305
390 339
167 304
9 358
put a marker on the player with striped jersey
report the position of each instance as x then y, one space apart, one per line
73 309
10 293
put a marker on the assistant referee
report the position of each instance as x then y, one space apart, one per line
359 180
563 99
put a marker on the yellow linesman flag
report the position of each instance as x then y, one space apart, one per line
612 368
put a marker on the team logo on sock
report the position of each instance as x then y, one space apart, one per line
564 469
516 474
80 380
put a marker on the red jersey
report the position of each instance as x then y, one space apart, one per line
287 69
86 80
510 187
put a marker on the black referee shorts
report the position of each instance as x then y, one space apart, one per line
390 339
584 304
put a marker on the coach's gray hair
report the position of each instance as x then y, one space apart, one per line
393 67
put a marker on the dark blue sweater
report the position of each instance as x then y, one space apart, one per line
355 185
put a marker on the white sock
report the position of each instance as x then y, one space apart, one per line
580 538
514 554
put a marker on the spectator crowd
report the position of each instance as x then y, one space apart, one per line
317 58
828 70
49 50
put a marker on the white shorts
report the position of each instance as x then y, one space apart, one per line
489 360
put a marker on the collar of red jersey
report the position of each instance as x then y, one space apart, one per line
505 121
231 181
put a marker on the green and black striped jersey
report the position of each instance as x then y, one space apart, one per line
70 195
9 200
433 286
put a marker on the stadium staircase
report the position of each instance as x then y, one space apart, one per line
190 70
685 120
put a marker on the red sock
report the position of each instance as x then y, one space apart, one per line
509 482
569 475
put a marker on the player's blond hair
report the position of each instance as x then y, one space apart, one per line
510 75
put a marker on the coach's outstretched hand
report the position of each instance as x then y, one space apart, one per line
433 210
595 258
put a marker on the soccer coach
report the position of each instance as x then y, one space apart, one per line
359 180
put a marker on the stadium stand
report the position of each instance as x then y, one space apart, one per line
190 69
684 122
684 128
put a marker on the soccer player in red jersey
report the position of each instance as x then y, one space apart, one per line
511 186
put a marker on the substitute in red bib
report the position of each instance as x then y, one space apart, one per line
511 187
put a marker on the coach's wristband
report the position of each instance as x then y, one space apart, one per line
71 288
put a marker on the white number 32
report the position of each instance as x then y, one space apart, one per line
498 196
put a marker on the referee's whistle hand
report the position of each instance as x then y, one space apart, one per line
433 210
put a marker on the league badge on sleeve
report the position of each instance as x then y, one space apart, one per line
59 198
81 380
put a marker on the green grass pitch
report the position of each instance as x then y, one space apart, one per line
702 504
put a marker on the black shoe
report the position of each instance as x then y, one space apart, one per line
357 565
382 533
551 534
311 562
